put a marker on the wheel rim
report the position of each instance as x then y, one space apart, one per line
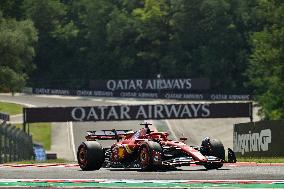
82 156
144 158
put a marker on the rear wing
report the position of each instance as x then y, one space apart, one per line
108 134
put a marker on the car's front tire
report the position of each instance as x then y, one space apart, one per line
150 156
216 149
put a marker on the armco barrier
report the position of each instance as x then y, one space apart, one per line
15 145
259 139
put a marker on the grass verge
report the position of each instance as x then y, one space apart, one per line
47 161
261 159
11 108
41 133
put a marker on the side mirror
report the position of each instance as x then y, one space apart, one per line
115 135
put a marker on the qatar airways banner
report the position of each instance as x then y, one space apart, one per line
137 112
151 95
150 84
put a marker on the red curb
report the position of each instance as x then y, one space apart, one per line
22 165
35 165
239 164
76 165
246 162
52 165
270 164
50 181
54 181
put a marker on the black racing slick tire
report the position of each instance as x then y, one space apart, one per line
150 156
90 155
217 150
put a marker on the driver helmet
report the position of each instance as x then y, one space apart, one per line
205 141
146 125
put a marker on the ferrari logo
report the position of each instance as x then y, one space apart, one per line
120 152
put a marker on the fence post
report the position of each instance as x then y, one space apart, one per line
251 111
13 140
21 146
10 142
24 146
1 141
5 143
17 144
32 155
24 119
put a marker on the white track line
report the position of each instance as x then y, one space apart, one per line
171 130
16 102
72 140
146 181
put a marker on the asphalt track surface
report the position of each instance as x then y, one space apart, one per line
247 172
192 172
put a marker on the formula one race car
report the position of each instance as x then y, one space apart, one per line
146 150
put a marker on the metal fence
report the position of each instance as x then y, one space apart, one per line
15 145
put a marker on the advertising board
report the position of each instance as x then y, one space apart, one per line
137 112
176 84
257 139
151 95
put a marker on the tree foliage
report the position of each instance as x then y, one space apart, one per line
234 43
266 68
17 41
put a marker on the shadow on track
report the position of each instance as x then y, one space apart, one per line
165 170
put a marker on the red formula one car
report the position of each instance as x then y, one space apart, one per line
146 150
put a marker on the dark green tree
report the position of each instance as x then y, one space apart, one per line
266 68
92 18
11 8
17 42
210 42
56 50
152 40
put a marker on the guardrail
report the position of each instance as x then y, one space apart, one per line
15 145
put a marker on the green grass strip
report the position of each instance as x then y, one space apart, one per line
261 159
138 185
47 161
11 108
41 133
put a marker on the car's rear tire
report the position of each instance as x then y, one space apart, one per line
217 150
150 156
90 155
